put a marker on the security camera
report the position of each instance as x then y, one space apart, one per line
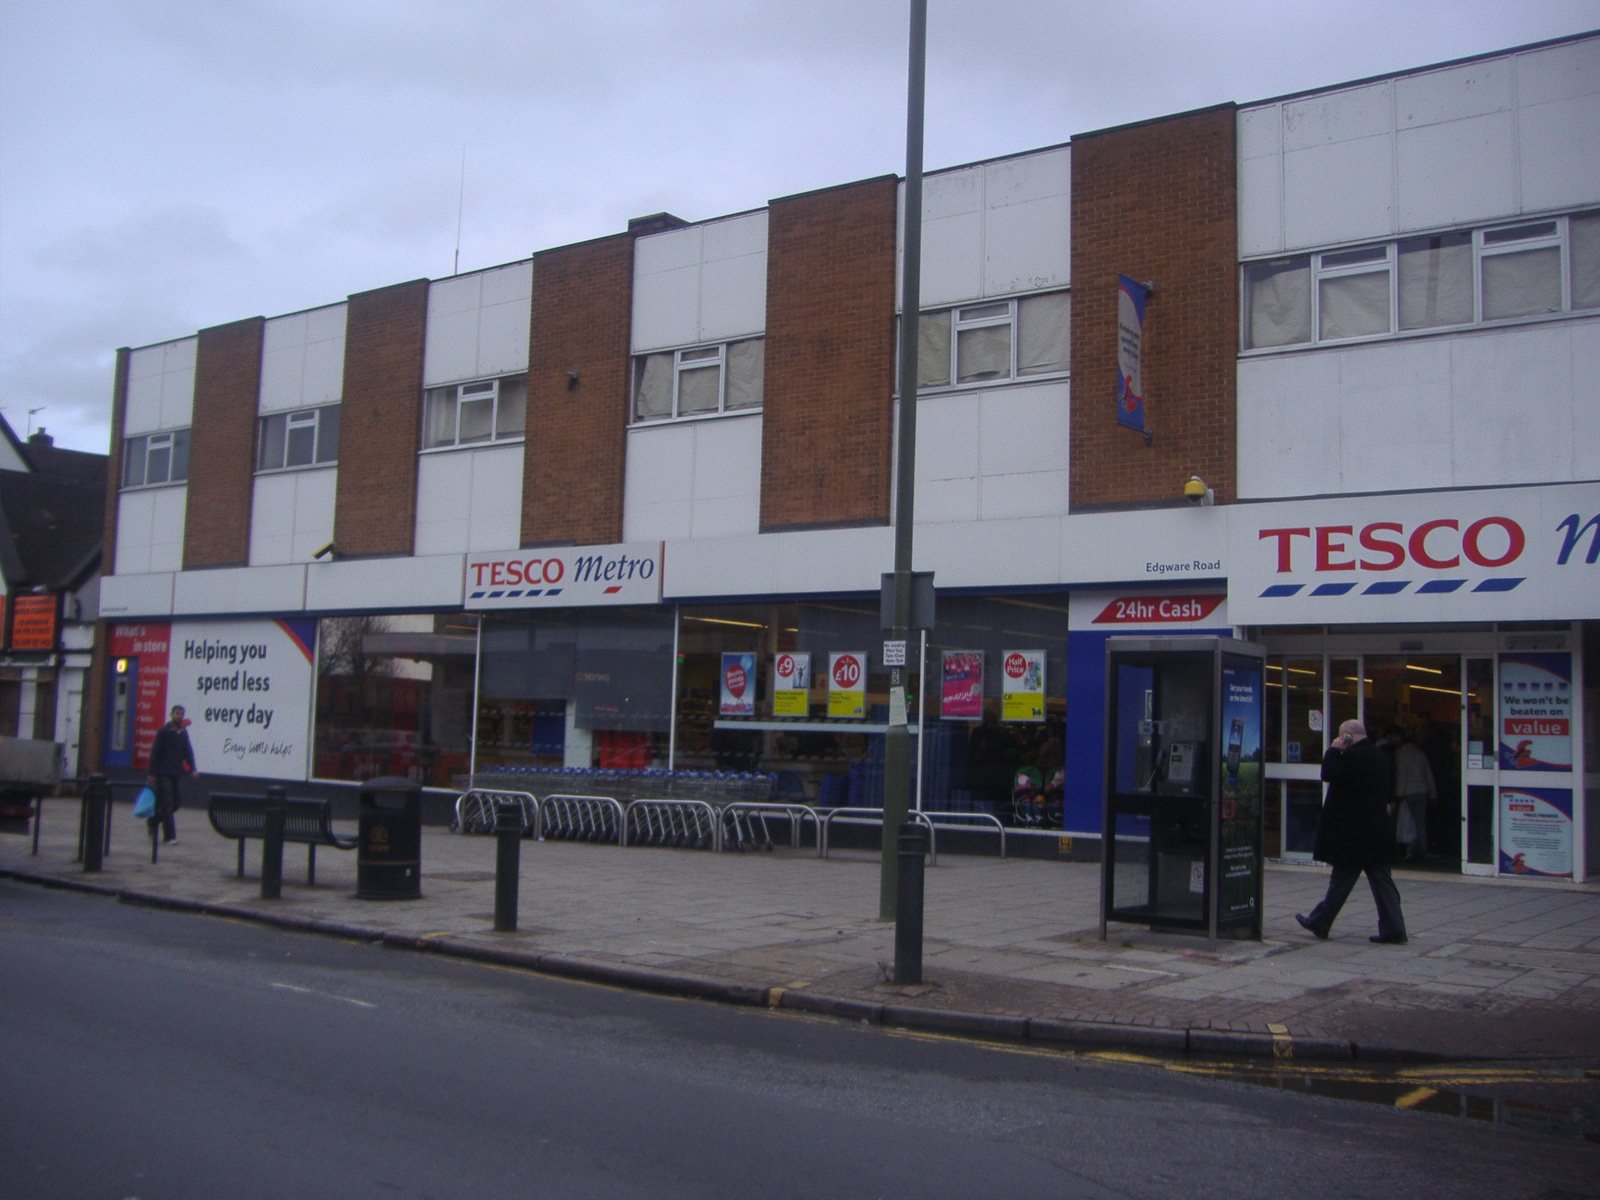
1196 492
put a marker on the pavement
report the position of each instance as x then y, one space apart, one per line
1495 969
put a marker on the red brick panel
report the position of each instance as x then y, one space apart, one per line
375 511
1156 201
222 444
93 726
825 437
574 459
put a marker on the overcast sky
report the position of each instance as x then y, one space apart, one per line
171 164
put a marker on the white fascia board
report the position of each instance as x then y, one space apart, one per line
276 589
385 584
136 595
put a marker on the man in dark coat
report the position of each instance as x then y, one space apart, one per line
1354 835
170 757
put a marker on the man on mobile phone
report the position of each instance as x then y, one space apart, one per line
1353 835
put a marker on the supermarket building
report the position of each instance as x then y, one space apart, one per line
626 503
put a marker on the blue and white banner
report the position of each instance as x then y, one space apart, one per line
1536 832
1131 296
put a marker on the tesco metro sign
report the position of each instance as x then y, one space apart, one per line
565 576
1490 554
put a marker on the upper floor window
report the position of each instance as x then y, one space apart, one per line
155 458
465 414
1504 272
699 381
995 341
307 438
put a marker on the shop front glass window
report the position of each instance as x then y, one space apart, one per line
971 762
394 697
576 688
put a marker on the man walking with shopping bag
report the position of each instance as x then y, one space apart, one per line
171 757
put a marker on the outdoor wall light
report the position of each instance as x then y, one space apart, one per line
1196 492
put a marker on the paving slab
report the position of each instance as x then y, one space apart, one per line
1494 968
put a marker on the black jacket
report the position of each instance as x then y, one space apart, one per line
171 751
1354 829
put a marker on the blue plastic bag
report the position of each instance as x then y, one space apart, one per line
145 805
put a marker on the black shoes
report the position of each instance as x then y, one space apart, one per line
1305 923
1389 939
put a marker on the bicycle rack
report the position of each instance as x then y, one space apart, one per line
857 816
954 820
685 824
582 819
740 821
475 810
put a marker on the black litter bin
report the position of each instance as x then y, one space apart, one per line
389 849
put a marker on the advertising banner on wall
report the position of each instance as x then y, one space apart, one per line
738 685
961 689
847 684
33 622
1131 297
140 649
1022 685
1536 712
1490 554
791 673
1242 707
1536 832
565 576
247 688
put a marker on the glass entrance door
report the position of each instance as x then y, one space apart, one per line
1442 705
1416 700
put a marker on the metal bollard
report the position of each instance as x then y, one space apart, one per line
272 816
95 799
507 864
908 904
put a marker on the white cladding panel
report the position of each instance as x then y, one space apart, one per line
694 479
1519 133
150 530
705 283
478 325
160 387
302 359
469 500
995 228
993 454
1486 408
291 515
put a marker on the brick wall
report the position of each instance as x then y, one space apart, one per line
572 473
92 733
1156 201
222 441
828 420
375 510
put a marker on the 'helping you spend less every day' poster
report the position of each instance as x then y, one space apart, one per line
246 688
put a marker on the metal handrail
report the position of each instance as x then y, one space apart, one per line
475 810
969 816
855 816
583 819
737 815
687 824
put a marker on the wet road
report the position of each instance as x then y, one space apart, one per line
152 1055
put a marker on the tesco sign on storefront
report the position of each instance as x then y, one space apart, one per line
565 577
1504 554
